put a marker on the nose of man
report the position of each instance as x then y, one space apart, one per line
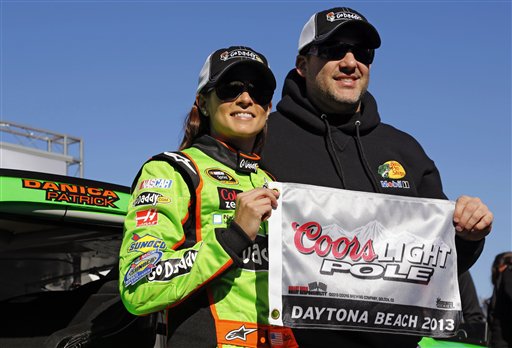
348 61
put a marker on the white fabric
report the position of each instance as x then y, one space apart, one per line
380 263
308 33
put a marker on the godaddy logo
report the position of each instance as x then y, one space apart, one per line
331 16
240 53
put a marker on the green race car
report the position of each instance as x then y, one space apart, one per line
59 244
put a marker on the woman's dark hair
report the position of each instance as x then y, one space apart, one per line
500 260
196 125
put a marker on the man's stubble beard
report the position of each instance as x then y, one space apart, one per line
332 103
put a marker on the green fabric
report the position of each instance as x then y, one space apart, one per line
428 342
235 291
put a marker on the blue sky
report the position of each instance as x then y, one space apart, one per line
122 75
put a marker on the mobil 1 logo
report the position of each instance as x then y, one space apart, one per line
227 198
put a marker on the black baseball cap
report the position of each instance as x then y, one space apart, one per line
224 59
322 25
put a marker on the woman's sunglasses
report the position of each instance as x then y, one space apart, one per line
231 90
337 51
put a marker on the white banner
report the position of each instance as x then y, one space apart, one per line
353 260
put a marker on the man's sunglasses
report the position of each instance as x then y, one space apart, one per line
337 51
231 90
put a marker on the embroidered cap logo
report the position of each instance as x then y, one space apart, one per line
240 53
338 16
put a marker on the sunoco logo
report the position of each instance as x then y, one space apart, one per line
331 16
240 53
146 243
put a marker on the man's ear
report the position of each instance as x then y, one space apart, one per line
201 104
301 65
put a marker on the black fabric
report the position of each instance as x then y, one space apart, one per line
226 155
296 150
192 316
103 321
234 240
471 310
500 311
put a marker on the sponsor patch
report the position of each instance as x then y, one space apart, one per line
77 194
401 184
247 165
146 244
391 170
168 269
217 219
155 183
313 288
150 198
255 256
239 334
141 267
227 198
221 176
147 217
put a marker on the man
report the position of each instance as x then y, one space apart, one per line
327 131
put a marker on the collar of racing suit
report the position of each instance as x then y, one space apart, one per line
296 106
224 153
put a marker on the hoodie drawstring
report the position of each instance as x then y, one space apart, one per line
332 151
366 165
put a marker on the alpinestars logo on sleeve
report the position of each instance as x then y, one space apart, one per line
240 333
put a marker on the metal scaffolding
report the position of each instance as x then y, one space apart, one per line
71 148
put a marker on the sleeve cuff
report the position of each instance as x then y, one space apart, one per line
467 253
234 240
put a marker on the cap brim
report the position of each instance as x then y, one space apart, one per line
363 32
261 71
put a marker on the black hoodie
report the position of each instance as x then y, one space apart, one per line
355 152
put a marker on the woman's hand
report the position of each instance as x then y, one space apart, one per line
253 207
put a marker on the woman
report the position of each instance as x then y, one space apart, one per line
499 308
195 240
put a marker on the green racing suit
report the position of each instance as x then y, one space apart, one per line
181 251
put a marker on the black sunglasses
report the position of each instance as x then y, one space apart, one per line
337 51
231 90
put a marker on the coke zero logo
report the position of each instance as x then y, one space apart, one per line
227 198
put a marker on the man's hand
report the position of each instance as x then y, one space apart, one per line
472 218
